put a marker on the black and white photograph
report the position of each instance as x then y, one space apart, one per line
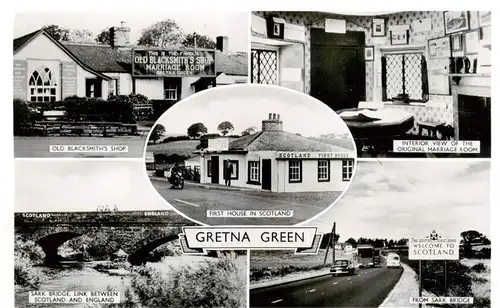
250 154
98 226
369 56
457 42
378 29
455 21
364 260
405 94
92 84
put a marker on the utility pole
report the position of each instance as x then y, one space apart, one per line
328 246
333 243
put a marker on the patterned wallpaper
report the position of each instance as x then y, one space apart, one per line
363 23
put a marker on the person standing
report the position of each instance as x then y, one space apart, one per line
228 171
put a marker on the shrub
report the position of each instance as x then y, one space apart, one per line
175 138
212 284
159 253
28 249
24 274
478 268
459 282
23 115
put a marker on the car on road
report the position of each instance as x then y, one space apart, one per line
343 267
393 260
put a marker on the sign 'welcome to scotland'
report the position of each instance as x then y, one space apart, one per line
173 63
433 247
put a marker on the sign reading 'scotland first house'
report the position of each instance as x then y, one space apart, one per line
173 63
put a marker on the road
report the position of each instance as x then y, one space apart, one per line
194 201
31 147
367 288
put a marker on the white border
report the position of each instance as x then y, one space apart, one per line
256 86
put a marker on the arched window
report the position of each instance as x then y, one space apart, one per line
42 86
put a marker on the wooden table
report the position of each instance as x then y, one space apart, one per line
394 124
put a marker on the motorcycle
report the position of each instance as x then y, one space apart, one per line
177 180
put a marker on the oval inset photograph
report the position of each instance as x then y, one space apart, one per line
250 155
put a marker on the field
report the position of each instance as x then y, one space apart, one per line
265 265
181 148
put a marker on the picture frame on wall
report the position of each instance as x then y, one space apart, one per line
484 18
457 42
369 53
378 27
439 47
485 33
456 21
471 40
400 37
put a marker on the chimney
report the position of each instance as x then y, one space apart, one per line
222 43
120 35
273 123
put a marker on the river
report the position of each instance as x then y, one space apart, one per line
80 276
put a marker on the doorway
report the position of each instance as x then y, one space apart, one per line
215 169
93 87
266 174
338 68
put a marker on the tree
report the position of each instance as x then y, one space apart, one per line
471 236
104 37
162 34
60 34
195 40
351 241
157 133
225 127
196 130
250 130
81 36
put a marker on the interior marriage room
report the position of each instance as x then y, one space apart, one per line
419 75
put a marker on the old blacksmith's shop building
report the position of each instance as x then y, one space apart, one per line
46 69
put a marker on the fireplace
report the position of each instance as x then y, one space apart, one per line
472 113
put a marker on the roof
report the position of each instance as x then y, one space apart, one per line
20 41
23 40
105 59
231 63
281 141
102 58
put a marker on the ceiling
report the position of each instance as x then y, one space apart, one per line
358 13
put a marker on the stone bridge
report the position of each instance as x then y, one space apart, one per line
139 232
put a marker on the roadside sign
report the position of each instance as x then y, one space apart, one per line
433 247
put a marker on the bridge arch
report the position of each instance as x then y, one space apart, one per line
142 249
50 244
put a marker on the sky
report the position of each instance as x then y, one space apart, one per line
231 24
248 105
396 199
76 185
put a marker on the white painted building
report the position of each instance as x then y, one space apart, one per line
49 70
280 161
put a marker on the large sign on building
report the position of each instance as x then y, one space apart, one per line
173 63
433 247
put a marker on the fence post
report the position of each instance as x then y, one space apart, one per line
420 281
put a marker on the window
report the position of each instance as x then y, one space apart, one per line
323 170
112 87
294 171
42 86
404 76
264 66
347 168
209 168
254 172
